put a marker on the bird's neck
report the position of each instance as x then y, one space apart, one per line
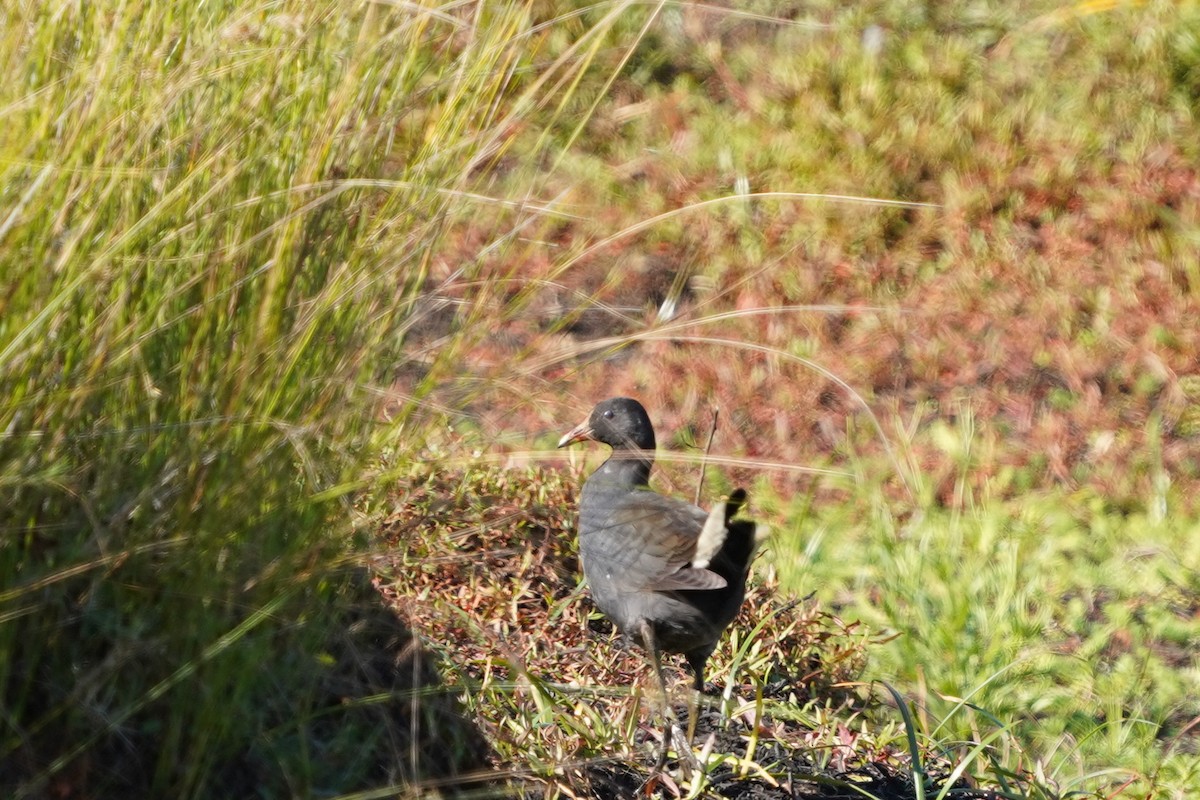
625 469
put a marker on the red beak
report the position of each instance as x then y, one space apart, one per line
577 434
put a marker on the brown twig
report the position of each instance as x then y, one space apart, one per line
704 460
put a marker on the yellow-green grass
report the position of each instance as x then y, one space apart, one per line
217 221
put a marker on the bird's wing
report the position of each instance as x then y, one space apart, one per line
650 542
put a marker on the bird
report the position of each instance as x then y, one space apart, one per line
670 575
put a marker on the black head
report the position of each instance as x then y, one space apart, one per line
620 422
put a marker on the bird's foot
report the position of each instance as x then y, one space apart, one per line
689 765
687 762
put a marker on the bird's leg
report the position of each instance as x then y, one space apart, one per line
652 648
696 660
693 713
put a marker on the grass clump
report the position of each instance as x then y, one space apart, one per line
218 219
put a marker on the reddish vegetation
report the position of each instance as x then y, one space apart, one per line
1050 298
1048 307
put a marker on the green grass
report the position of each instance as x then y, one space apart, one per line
1074 626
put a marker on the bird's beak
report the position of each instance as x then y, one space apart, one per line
577 434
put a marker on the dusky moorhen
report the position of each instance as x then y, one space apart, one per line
668 574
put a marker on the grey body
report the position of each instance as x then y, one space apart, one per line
638 547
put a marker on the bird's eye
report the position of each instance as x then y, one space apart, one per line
608 414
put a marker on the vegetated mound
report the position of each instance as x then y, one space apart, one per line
483 563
